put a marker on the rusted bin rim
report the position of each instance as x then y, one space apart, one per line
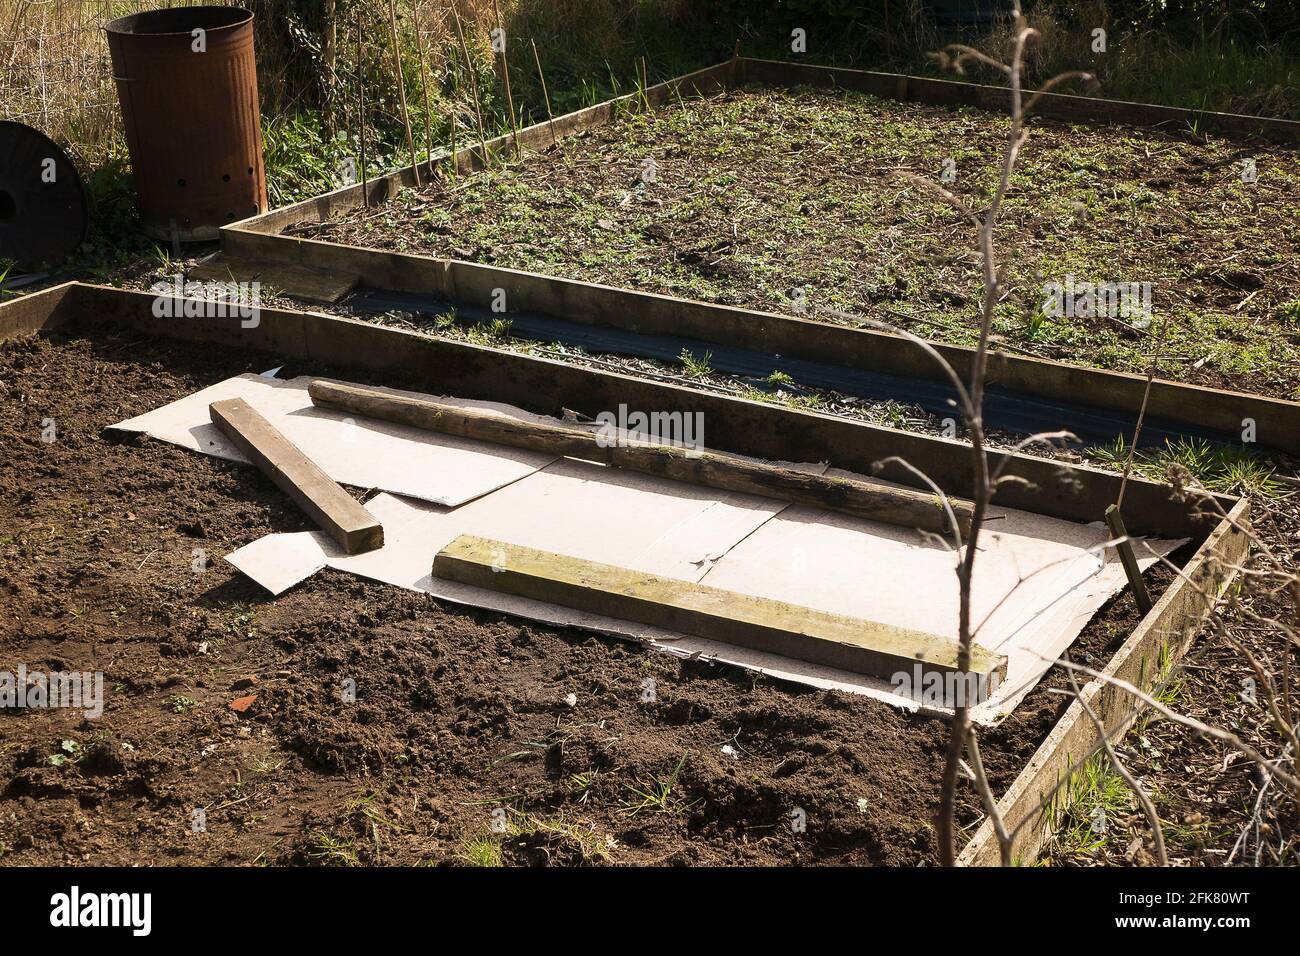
179 21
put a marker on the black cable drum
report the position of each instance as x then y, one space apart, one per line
43 212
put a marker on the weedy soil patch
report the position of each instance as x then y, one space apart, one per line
794 201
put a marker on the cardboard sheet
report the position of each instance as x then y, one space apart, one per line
1038 580
572 507
365 453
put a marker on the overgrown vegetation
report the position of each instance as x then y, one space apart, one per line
1214 467
1234 55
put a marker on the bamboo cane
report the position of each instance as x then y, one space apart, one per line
505 77
424 84
361 116
550 117
401 88
473 85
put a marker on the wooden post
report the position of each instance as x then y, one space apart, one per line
505 77
873 501
1127 557
401 88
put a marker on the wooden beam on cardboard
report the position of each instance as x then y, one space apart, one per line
315 492
874 501
760 624
1127 557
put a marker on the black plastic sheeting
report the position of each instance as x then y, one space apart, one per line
1004 409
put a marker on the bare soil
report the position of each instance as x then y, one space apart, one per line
457 714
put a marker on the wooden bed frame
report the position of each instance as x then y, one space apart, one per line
754 428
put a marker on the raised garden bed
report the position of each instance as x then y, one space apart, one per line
865 212
470 707
762 195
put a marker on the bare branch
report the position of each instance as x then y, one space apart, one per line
943 497
1191 723
986 794
1086 78
946 195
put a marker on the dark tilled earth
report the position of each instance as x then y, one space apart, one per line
457 713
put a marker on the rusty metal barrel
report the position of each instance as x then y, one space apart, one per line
187 84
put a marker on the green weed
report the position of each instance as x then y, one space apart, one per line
696 367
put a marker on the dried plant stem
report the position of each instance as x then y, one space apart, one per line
1142 409
361 117
989 800
1217 733
473 85
961 728
424 84
401 88
550 117
505 78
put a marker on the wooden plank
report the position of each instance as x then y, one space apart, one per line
871 350
315 492
1163 636
761 624
1277 421
873 501
1063 106
1127 557
30 312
